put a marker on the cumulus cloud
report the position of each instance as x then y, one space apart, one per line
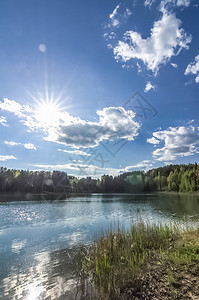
193 69
28 146
3 121
75 152
149 87
153 141
166 40
114 123
6 157
178 142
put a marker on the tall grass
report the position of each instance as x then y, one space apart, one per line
119 255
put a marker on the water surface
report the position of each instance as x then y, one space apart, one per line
39 240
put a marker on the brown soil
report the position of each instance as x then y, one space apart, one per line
163 282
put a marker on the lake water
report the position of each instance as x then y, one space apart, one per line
39 240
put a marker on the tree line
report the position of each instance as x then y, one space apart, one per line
179 178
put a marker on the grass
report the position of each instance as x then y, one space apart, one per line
120 260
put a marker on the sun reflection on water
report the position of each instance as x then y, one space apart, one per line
49 277
34 291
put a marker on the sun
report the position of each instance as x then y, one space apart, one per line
47 112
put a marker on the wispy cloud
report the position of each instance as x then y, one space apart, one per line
178 142
193 69
11 143
174 65
75 152
183 2
113 16
84 170
3 121
145 164
119 15
149 3
149 86
28 146
169 4
6 157
117 18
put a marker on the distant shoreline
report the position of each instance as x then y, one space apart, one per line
50 196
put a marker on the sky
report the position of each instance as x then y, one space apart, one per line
98 87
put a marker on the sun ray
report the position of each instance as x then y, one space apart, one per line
47 112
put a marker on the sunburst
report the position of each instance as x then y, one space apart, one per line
47 112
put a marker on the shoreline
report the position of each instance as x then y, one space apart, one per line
145 263
18 193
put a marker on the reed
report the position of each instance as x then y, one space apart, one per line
120 255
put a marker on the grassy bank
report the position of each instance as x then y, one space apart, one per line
146 262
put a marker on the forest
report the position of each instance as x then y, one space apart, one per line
178 178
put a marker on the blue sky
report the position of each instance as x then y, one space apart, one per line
74 76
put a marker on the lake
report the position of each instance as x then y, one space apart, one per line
40 240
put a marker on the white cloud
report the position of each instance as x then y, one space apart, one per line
149 3
81 170
174 65
75 152
84 170
165 5
197 79
166 40
3 121
113 15
29 146
6 157
153 141
12 143
140 165
114 123
14 107
193 69
178 142
42 47
183 2
119 15
149 87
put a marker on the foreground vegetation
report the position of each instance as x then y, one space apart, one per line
146 262
178 178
